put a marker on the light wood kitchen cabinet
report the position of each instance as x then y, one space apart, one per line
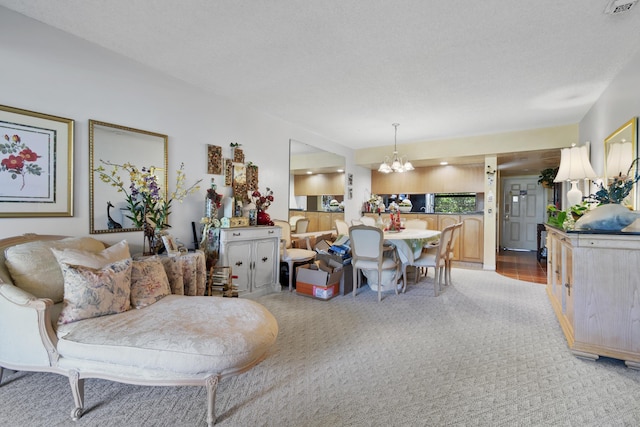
471 239
253 253
594 289
318 184
324 221
432 179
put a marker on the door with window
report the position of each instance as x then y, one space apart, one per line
522 211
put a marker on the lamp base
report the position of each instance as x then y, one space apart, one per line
574 196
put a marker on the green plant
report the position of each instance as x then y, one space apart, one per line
547 176
556 216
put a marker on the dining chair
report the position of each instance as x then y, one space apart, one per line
367 220
302 225
292 255
416 224
434 259
368 251
293 222
342 228
450 254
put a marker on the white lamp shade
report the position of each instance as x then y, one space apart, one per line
574 165
619 159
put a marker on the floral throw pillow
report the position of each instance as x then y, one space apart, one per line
92 292
149 282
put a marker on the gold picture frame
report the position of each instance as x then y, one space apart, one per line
36 164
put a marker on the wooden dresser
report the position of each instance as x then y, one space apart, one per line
593 282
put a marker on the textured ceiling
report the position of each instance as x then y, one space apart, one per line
347 69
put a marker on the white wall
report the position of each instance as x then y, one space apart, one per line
617 104
51 72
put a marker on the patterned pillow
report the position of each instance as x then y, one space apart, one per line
149 282
92 292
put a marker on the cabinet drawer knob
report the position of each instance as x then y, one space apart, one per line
238 263
568 286
265 259
235 234
271 231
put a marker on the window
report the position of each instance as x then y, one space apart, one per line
455 202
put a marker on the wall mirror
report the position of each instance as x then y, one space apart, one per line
620 149
118 145
326 177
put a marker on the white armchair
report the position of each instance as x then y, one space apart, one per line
292 255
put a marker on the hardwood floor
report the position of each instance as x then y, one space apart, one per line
522 266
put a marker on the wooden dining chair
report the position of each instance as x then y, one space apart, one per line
302 225
367 220
436 260
416 224
342 228
290 255
368 252
450 254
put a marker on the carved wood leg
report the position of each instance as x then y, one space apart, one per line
212 387
77 389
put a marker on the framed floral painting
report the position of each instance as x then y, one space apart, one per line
36 164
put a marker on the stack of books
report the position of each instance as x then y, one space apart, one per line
221 282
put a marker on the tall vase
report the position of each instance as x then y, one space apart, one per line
264 218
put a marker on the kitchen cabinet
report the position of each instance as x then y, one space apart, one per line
432 179
471 239
594 289
253 253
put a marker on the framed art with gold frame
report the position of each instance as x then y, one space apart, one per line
36 164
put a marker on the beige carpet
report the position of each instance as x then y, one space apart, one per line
487 352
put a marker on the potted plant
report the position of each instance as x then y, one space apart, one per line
547 176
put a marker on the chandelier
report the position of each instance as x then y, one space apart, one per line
395 164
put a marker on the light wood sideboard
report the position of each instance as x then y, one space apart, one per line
593 283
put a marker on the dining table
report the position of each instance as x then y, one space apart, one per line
408 244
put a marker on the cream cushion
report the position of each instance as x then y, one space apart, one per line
173 335
34 268
149 282
95 260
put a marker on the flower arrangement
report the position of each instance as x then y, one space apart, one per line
262 201
21 164
214 196
148 205
617 190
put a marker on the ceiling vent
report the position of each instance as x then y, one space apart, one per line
616 7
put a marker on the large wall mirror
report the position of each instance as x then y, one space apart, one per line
314 173
620 149
119 145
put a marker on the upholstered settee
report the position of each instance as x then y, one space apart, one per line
75 307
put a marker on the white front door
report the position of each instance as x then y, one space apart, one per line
522 211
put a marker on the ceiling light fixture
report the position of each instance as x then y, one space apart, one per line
397 164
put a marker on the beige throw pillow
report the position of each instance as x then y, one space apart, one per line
114 253
149 282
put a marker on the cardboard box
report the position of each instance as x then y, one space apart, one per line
336 262
313 281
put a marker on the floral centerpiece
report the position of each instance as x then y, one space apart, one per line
148 205
375 203
262 202
610 214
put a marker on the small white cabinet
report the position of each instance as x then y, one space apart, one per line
593 284
253 253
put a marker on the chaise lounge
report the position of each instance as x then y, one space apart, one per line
163 339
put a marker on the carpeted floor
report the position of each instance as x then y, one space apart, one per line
487 352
